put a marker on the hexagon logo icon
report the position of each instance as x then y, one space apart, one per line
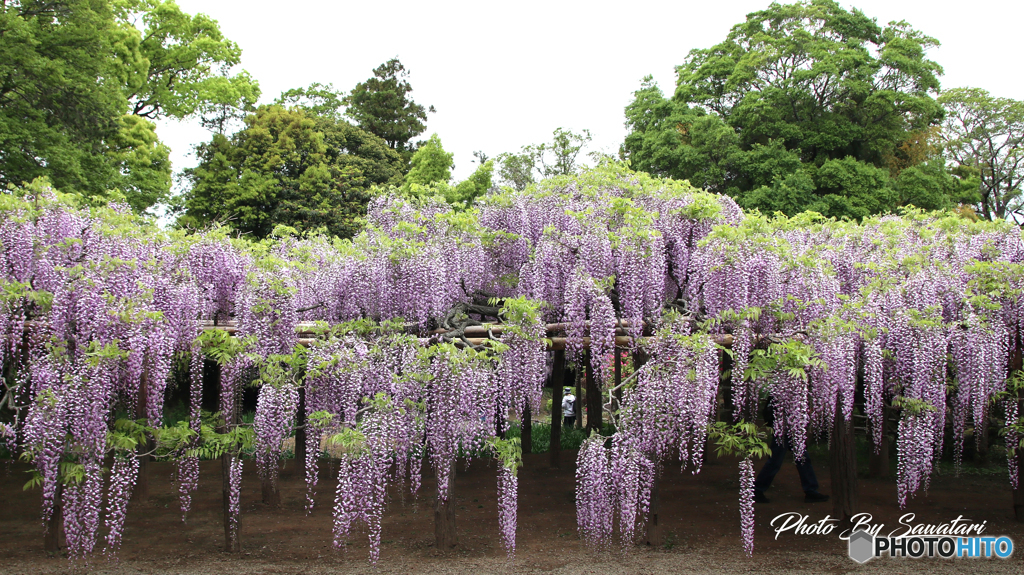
862 546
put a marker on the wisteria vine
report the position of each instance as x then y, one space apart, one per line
920 312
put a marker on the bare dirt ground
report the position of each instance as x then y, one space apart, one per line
699 514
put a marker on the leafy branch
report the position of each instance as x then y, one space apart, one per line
743 439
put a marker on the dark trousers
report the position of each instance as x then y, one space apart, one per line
569 421
764 479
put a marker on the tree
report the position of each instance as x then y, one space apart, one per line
80 80
803 104
316 99
190 62
60 91
557 158
985 135
141 162
517 169
431 176
430 164
288 167
381 106
476 185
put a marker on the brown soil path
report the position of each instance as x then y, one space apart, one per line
699 514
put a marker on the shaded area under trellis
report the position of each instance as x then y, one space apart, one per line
697 515
843 466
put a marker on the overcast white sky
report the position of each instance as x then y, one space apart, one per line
506 74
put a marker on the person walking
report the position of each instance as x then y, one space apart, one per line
779 447
568 408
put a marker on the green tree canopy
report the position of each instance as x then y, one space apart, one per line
559 157
803 106
80 80
140 162
985 137
430 164
189 64
382 106
288 167
62 72
477 184
316 99
430 176
517 170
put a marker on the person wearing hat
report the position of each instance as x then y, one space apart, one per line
568 408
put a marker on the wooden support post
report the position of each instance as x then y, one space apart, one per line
557 378
54 526
981 441
300 434
1016 363
878 463
232 544
232 541
269 493
1018 494
500 419
526 430
655 534
639 359
10 370
268 488
725 379
445 535
617 399
594 400
577 406
141 491
843 469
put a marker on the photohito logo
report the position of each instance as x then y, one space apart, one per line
864 546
